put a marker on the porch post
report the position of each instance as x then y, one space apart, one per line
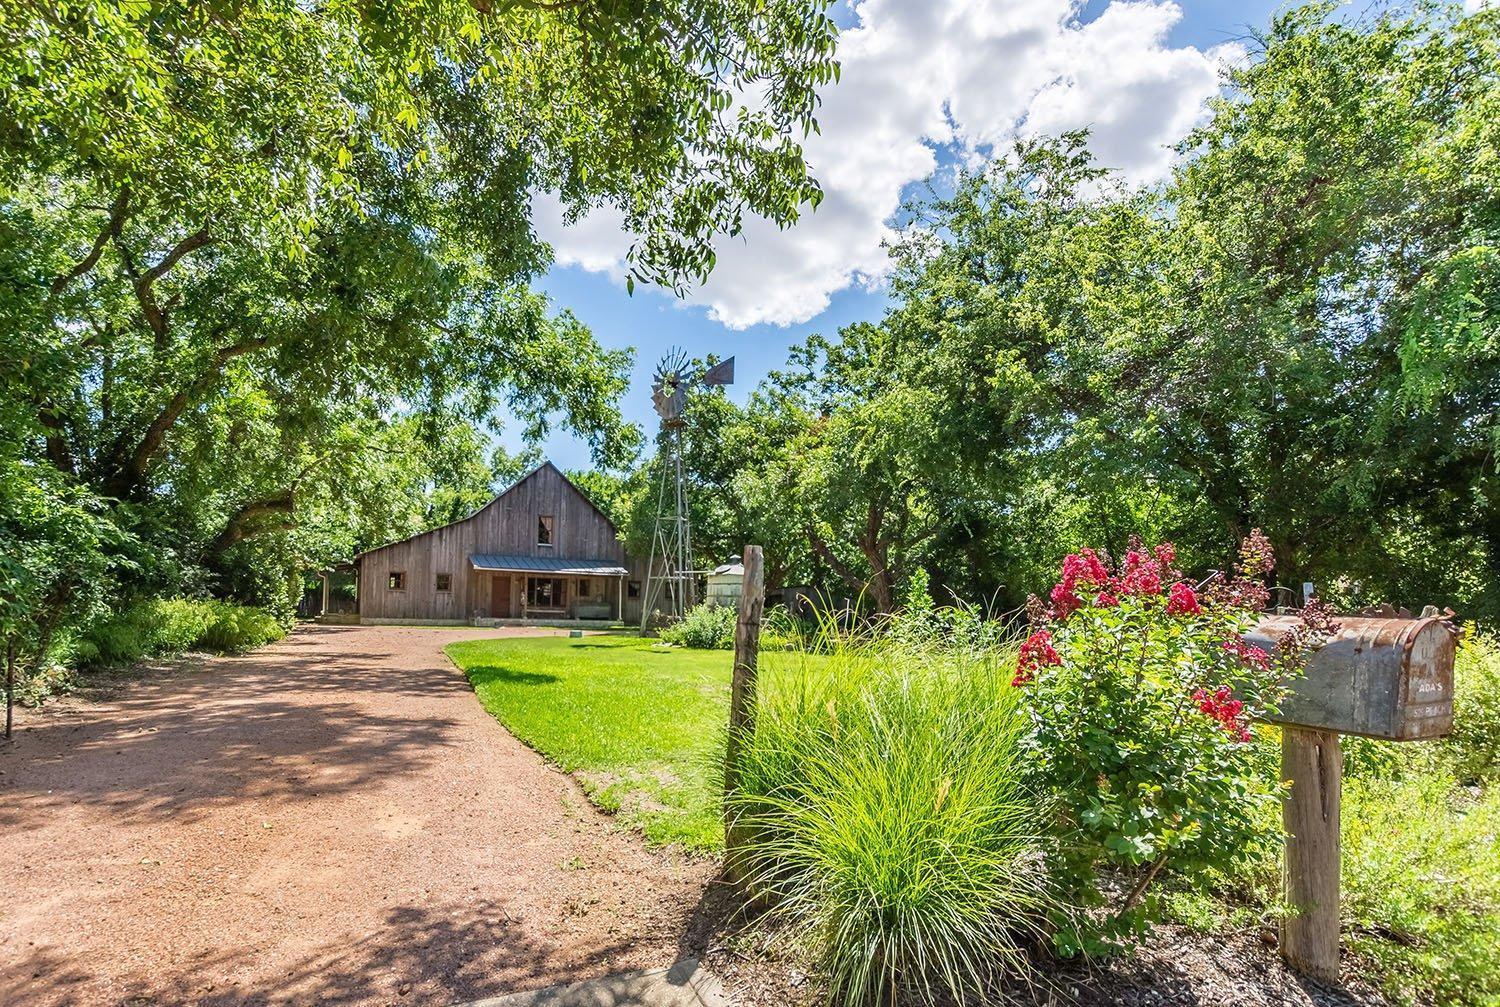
620 600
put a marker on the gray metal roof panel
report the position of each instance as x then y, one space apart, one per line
547 564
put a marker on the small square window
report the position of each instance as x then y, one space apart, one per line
445 582
396 580
544 530
583 587
633 589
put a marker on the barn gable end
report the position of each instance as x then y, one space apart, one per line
431 576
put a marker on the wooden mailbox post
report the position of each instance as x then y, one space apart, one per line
1388 678
742 698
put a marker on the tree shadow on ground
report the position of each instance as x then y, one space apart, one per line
253 726
485 673
417 956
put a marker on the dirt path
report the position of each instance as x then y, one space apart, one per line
332 820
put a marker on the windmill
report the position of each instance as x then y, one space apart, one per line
669 576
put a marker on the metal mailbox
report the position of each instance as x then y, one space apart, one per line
1379 677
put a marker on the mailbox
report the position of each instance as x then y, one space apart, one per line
1379 677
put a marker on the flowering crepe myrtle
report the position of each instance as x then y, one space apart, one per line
1036 653
1142 691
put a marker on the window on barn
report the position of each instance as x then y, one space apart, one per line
633 589
544 592
444 582
544 530
396 580
583 587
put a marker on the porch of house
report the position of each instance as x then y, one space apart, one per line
544 591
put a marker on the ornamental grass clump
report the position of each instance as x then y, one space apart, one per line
1142 693
892 822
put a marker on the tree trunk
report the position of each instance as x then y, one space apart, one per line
10 685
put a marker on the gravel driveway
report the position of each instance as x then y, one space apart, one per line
331 820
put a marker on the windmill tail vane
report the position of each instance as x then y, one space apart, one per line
670 587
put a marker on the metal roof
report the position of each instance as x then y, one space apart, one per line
548 564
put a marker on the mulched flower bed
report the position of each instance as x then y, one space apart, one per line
1176 967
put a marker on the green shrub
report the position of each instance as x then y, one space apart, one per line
1142 695
232 629
883 791
160 626
705 627
1421 887
1473 749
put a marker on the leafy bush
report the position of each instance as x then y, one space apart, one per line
1473 749
1141 696
233 629
705 627
1421 887
884 793
160 626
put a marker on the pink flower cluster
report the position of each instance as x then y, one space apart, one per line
1143 572
1249 654
1081 571
1036 652
1221 707
1182 600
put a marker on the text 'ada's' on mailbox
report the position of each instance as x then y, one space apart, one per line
1379 677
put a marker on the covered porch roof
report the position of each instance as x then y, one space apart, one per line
545 565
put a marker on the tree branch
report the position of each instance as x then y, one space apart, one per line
826 553
132 471
239 526
111 230
156 318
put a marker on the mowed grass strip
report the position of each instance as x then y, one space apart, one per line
639 724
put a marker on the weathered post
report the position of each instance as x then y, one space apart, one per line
1388 678
742 697
1311 760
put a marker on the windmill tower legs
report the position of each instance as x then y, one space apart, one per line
669 576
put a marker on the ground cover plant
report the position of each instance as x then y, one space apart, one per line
639 724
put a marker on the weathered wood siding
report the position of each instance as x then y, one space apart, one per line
507 525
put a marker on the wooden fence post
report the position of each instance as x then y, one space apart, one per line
1312 761
742 698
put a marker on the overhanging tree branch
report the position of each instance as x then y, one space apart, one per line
142 282
111 230
132 471
243 522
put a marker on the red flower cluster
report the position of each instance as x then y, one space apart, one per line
1085 572
1036 653
1246 589
1080 570
1222 707
1182 600
1249 654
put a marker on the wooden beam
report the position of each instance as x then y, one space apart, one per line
1312 762
742 699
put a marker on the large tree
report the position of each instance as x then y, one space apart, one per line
1297 331
329 204
243 245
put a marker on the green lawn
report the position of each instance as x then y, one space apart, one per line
639 724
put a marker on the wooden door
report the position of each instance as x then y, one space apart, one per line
500 606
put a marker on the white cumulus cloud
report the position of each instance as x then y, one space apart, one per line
917 76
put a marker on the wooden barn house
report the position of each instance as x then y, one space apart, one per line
539 552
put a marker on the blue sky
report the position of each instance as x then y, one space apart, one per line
924 85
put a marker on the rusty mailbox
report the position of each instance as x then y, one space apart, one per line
1382 676
1378 677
